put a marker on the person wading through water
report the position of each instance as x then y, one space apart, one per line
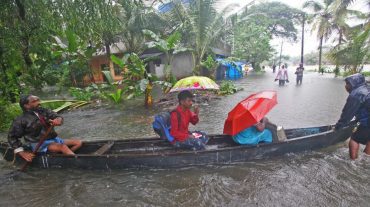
357 105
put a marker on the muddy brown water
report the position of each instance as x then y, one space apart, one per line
321 178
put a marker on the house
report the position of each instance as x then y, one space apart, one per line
100 62
182 63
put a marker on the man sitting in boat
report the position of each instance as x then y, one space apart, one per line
180 119
32 125
357 105
263 131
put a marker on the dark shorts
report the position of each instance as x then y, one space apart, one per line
361 135
193 143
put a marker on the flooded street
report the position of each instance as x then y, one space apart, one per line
321 178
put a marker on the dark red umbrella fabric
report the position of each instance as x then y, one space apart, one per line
249 111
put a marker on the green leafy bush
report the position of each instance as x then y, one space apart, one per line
227 87
366 73
8 113
116 97
81 94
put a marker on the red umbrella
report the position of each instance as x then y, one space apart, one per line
249 111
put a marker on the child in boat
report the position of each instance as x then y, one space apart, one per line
263 131
180 119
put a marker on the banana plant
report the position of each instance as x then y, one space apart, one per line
211 65
169 46
116 97
136 80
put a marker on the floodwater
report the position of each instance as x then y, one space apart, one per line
321 178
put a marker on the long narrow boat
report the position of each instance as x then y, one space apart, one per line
158 153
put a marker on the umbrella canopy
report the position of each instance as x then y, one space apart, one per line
249 111
195 83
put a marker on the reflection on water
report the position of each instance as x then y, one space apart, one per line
324 178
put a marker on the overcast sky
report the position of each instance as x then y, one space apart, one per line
311 42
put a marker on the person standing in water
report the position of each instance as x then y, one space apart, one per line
282 76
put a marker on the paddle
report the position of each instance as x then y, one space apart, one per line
42 139
15 173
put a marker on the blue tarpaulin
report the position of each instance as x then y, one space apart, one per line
233 69
168 6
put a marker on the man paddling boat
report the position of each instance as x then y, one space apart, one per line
32 125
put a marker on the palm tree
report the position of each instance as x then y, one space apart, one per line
340 25
355 51
322 22
135 16
201 26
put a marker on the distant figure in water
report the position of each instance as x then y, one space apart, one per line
357 105
299 73
282 76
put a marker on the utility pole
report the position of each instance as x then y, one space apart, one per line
281 50
302 46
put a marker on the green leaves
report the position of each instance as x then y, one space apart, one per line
173 40
116 97
252 43
151 34
116 60
164 45
227 88
279 19
72 41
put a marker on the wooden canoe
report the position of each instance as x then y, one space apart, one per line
158 153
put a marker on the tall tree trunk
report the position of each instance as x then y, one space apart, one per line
336 62
110 63
302 43
26 36
320 55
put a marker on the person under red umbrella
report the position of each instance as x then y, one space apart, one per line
264 131
247 118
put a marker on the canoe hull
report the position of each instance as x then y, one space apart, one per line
156 153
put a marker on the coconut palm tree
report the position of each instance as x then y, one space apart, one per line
135 16
344 4
322 21
355 51
201 25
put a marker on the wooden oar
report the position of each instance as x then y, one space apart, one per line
15 173
42 140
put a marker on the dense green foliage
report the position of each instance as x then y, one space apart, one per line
8 113
252 44
227 88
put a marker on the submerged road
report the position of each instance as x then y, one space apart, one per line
322 178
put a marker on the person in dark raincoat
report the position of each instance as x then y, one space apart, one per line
32 125
357 105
